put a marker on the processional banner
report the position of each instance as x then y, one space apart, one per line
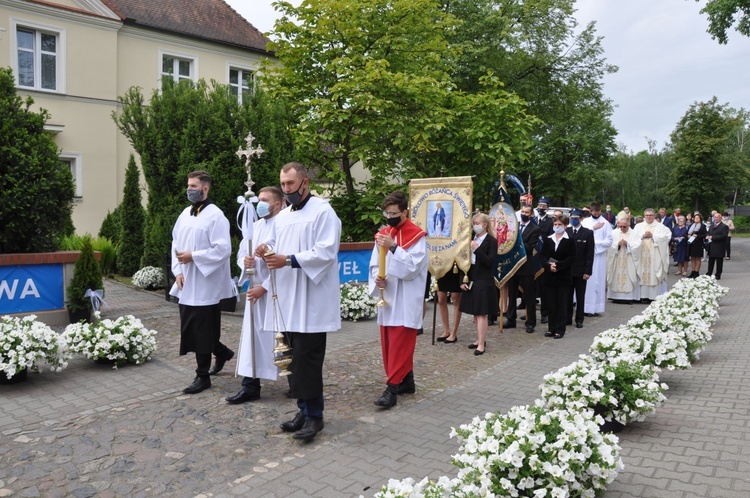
511 253
442 208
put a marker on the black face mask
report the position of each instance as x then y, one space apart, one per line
595 217
525 218
393 222
295 197
541 212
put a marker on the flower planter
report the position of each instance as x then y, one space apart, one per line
105 361
76 316
19 376
609 426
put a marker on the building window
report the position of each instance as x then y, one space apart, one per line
72 161
39 57
177 68
240 82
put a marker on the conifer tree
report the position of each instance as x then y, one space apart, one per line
132 216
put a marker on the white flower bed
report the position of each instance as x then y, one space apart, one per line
24 343
357 303
149 277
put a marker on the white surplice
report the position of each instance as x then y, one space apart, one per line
622 264
309 297
406 277
654 265
596 286
207 278
263 233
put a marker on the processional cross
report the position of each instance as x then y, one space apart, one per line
249 152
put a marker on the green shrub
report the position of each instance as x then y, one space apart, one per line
111 226
108 250
86 275
132 220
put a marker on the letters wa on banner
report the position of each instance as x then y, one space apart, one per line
442 208
511 253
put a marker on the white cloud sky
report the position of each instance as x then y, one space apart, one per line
667 61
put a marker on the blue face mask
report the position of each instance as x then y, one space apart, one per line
558 229
264 209
575 222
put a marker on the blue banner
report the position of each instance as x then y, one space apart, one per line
354 265
511 253
31 288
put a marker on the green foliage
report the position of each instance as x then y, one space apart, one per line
130 249
38 190
361 213
86 275
721 16
103 245
706 166
112 225
638 181
189 126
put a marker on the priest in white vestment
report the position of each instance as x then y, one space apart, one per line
654 265
308 233
255 360
623 258
405 272
201 249
596 287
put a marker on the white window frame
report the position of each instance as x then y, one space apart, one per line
60 55
191 58
241 69
75 160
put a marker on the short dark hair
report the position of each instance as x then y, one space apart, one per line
275 191
298 167
201 175
398 198
563 219
596 206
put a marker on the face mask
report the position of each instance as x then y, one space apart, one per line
609 210
558 229
393 222
575 222
264 209
294 197
541 212
596 217
478 229
194 195
525 218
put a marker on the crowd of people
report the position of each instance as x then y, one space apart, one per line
575 261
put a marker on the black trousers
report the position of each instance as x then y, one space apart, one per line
557 305
579 290
529 296
719 266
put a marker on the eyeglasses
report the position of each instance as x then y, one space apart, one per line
391 215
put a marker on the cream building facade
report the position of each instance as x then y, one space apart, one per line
76 57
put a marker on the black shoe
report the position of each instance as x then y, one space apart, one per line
558 335
545 319
220 362
473 346
590 314
441 339
478 353
490 323
718 277
509 325
243 396
295 424
389 397
450 342
529 329
549 334
419 332
198 385
309 430
407 385
579 325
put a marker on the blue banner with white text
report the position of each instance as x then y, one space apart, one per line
354 265
29 288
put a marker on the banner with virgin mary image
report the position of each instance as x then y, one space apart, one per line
511 253
442 208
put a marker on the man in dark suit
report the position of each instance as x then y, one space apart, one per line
544 221
718 233
610 216
525 275
583 265
666 220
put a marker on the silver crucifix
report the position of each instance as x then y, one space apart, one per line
249 152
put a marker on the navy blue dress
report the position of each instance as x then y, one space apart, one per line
680 246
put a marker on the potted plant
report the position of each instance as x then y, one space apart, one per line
357 303
114 342
24 343
622 390
86 275
529 449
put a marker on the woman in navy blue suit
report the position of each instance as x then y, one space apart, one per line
479 296
558 256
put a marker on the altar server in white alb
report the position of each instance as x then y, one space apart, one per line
257 343
654 265
308 233
596 287
405 250
201 249
623 258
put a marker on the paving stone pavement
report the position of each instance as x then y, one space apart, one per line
95 431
